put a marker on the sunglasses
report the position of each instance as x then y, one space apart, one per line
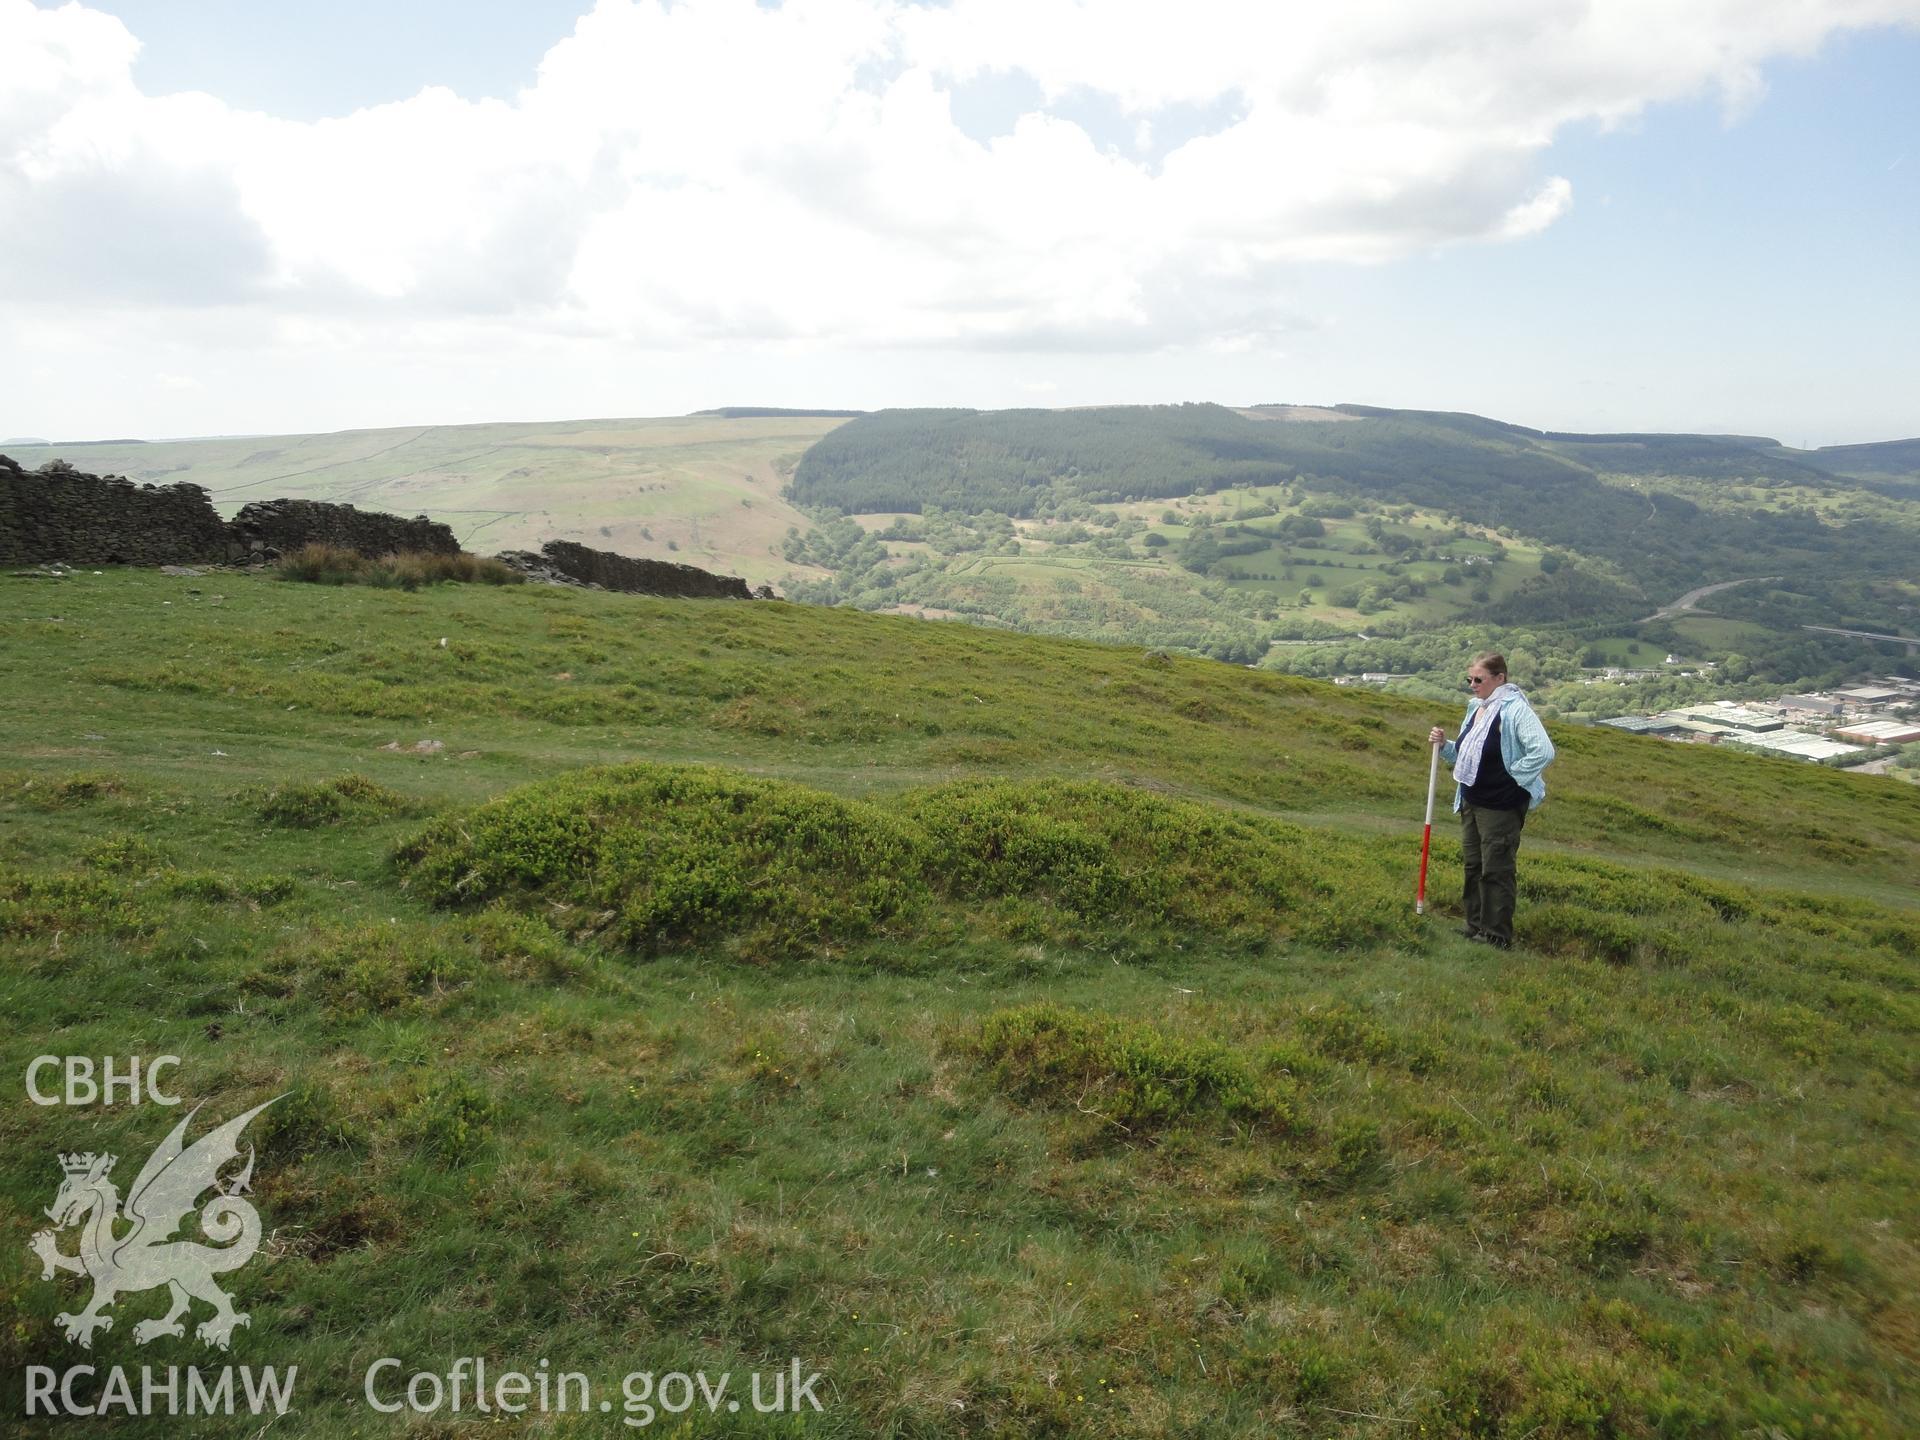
1478 679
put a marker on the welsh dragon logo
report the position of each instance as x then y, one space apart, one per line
131 1249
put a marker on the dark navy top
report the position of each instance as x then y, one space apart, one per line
1495 789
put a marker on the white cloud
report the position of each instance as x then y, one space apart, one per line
719 171
1539 211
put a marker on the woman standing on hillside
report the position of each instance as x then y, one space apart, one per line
1497 761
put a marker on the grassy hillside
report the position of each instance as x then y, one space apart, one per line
702 489
1032 1037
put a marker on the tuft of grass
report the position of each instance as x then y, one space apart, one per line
346 972
321 563
521 947
1131 1074
303 806
1345 1033
62 792
1536 1392
453 1120
413 569
124 854
307 1120
43 906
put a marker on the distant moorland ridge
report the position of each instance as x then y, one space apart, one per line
60 515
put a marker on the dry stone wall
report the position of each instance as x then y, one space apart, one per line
66 516
623 572
79 519
70 517
289 524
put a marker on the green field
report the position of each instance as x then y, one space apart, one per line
1626 651
1346 558
699 489
1029 1036
1711 634
1341 578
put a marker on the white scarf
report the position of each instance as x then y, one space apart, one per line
1466 759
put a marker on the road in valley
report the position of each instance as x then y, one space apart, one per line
1912 642
1693 597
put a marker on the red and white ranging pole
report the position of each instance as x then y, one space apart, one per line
1426 838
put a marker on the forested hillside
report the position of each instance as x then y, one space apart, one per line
1025 463
1889 457
1389 527
1017 462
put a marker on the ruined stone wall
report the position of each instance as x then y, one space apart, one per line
641 577
82 519
288 524
71 517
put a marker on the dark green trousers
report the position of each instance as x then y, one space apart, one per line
1489 843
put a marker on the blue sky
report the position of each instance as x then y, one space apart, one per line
227 217
307 62
1759 275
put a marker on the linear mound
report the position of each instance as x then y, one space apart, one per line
1091 849
653 857
1101 855
658 858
